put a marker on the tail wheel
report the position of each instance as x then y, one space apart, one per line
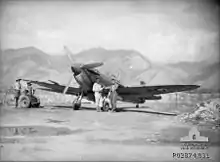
24 102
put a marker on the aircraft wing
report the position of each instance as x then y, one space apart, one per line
155 90
70 91
54 87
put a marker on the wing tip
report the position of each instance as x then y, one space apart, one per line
197 86
193 87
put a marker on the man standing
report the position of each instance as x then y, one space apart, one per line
97 88
113 96
17 88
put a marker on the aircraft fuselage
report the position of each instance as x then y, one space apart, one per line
86 80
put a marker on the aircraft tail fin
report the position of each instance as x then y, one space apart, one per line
143 83
153 76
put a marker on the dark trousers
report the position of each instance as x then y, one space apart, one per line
17 95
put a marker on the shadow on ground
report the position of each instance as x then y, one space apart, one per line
37 131
122 109
125 109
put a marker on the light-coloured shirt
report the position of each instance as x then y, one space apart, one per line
114 87
96 87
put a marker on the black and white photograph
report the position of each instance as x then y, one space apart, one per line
109 80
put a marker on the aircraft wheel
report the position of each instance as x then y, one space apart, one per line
137 106
106 106
24 102
76 105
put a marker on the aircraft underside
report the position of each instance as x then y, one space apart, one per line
126 98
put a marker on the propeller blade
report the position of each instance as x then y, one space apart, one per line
92 65
119 76
67 86
68 53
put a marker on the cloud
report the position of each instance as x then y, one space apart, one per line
161 31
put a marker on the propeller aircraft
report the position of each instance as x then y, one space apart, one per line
86 75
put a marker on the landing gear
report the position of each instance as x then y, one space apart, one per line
77 103
106 106
137 106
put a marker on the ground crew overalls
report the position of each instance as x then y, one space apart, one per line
97 88
113 96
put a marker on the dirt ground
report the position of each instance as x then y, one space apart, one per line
56 132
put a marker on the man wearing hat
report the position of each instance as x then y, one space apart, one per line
17 88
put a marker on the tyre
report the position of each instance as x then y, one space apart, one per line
35 102
24 101
106 107
37 105
76 106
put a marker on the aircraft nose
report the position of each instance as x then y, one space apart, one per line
75 70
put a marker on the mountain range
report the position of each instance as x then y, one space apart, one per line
129 65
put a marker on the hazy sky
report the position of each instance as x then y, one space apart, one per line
161 30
